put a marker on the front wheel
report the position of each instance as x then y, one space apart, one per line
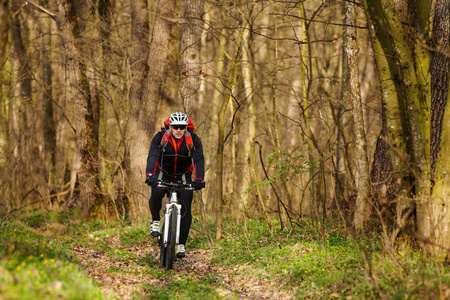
163 250
169 254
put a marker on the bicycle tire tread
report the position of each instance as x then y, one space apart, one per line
171 243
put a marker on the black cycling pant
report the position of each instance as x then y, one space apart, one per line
185 199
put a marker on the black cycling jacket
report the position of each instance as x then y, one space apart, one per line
176 163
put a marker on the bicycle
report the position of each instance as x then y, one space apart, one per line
170 224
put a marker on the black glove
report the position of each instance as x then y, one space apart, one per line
151 180
198 184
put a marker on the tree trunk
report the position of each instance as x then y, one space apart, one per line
212 133
139 129
221 141
285 200
145 96
306 76
407 68
49 127
4 28
362 164
390 172
88 198
190 64
25 117
417 120
439 133
105 13
439 77
250 119
440 216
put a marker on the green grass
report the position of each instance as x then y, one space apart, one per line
36 267
331 265
36 261
184 287
133 236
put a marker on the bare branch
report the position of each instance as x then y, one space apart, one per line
318 21
41 9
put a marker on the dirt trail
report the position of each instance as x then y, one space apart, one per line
124 279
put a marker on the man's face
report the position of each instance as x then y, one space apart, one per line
178 131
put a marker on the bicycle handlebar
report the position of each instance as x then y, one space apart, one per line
174 185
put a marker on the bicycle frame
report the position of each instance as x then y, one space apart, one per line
171 223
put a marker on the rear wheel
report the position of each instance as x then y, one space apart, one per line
169 254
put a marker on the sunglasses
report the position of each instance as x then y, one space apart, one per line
177 127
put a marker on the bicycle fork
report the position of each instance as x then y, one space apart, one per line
165 224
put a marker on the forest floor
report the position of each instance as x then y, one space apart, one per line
133 276
57 256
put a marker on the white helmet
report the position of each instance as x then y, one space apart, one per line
178 118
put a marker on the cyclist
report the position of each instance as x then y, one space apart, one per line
172 158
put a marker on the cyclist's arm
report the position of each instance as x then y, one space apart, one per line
199 159
154 154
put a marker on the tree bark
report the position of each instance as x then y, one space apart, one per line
139 128
440 129
211 134
285 200
362 164
422 130
25 116
88 198
306 69
48 126
439 73
415 105
4 28
248 94
151 67
390 171
190 64
105 13
220 200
